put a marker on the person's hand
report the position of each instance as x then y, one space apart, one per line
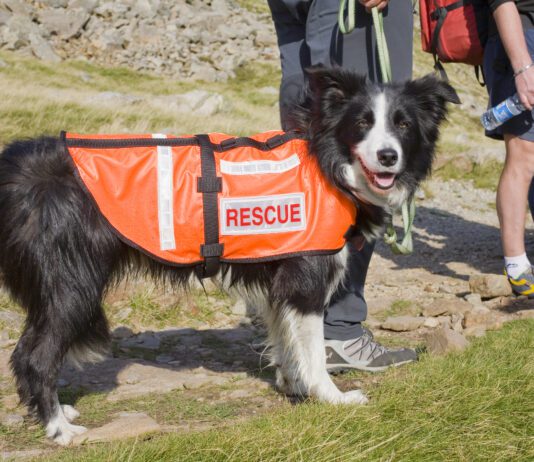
380 4
524 83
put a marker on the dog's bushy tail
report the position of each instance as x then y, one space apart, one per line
56 256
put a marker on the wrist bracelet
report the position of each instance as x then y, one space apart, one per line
523 69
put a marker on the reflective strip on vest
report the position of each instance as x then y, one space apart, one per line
274 203
165 197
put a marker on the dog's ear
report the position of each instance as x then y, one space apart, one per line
333 83
432 88
431 95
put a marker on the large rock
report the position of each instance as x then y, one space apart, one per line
445 340
199 102
482 316
127 425
446 306
403 323
490 285
55 21
42 49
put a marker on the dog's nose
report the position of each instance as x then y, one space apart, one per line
387 157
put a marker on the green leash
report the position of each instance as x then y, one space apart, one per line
408 207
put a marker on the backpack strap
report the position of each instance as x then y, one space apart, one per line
439 15
481 78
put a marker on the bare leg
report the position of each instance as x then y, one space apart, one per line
512 194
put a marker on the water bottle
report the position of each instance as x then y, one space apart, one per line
496 116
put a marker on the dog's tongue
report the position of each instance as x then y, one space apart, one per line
384 180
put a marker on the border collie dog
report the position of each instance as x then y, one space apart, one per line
58 255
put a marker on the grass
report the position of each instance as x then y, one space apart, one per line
255 6
484 176
155 309
474 406
45 99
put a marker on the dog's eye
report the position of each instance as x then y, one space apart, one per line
403 125
362 123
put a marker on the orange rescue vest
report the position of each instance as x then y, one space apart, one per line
214 198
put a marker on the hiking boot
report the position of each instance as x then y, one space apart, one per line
364 354
524 284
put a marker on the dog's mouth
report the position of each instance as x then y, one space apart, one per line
381 180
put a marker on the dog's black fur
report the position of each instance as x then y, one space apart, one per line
58 255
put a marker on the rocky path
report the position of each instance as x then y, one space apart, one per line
205 368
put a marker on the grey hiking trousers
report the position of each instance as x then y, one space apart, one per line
308 34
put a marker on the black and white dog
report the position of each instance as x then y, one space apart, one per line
58 255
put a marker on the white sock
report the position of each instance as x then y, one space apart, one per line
516 265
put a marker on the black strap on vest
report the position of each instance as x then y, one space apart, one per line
209 184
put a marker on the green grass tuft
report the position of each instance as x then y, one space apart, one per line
484 176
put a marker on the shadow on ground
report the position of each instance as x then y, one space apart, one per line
448 238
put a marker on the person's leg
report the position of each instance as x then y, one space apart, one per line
512 194
348 344
348 309
289 17
357 50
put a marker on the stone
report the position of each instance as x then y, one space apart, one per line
164 359
475 331
24 454
431 323
380 304
127 425
62 383
403 323
18 31
526 314
199 102
264 38
12 420
456 322
42 49
139 378
490 285
446 306
434 309
146 340
122 332
480 315
17 7
445 340
474 299
56 21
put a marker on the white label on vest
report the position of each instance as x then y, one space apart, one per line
280 213
258 167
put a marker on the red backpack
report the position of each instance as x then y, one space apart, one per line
454 31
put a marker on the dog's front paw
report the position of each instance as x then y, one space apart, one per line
62 432
289 386
354 397
65 437
69 412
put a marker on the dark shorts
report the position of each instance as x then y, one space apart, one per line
499 78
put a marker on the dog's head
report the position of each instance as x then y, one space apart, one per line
375 141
